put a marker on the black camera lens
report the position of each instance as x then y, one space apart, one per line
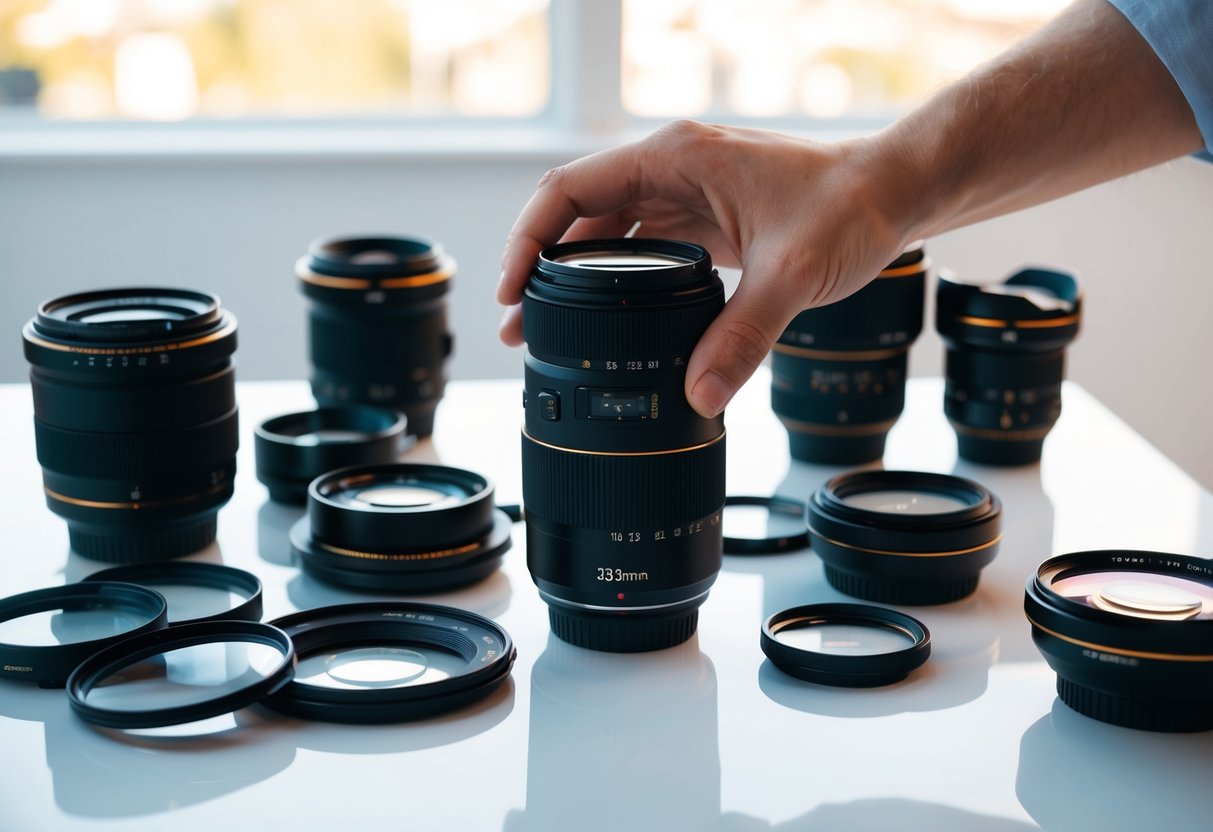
135 418
904 537
1130 635
402 527
294 449
1006 360
391 662
623 482
377 324
838 372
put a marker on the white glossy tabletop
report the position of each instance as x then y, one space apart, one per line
705 736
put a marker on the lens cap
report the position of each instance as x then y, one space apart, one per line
46 633
845 645
764 525
195 591
181 674
294 449
391 662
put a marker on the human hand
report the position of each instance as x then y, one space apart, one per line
807 223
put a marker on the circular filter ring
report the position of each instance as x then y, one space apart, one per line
50 665
195 574
841 669
113 659
355 630
291 449
785 508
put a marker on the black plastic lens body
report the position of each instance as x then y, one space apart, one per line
378 323
1006 361
1130 634
904 537
403 527
623 482
391 662
294 449
135 418
838 372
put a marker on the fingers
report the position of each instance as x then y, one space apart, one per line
739 339
510 330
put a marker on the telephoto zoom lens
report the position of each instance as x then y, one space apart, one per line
378 323
838 372
623 482
1006 360
135 418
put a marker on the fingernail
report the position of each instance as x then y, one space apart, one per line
710 394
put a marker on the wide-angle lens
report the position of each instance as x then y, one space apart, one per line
623 482
1006 346
1130 635
401 528
904 537
135 418
378 323
838 372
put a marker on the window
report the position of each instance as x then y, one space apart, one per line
596 65
175 59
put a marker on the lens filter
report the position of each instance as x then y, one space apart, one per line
195 591
1130 635
45 633
181 674
904 537
294 449
391 662
845 645
763 525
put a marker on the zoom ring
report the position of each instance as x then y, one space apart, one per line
559 333
137 455
595 491
361 348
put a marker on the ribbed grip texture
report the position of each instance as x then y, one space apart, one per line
1144 714
623 333
622 492
153 543
380 347
900 590
137 455
623 635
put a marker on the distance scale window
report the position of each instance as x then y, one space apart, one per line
618 405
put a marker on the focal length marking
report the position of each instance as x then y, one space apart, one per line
608 574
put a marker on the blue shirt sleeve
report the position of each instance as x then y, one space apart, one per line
1181 33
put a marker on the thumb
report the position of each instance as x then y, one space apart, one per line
738 340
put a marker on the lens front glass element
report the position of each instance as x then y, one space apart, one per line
400 495
379 666
48 628
619 260
842 639
901 501
184 676
1139 594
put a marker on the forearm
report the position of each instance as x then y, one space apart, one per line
1082 101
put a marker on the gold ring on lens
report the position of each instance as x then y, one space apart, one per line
625 453
223 332
444 273
1117 651
976 548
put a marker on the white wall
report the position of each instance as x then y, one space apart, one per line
234 225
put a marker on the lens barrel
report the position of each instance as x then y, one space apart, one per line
623 482
1130 635
838 372
377 324
135 418
1006 361
904 537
